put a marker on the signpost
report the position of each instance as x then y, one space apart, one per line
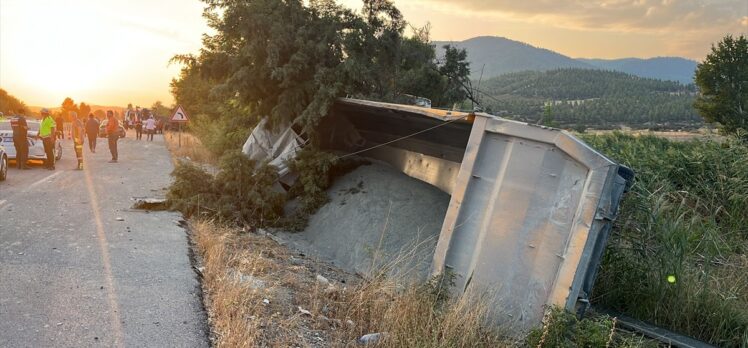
179 116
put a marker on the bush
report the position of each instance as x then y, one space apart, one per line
247 193
313 167
242 192
191 184
225 131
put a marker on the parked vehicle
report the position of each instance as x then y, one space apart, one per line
36 146
102 129
3 164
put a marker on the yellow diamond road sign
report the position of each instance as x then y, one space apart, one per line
179 115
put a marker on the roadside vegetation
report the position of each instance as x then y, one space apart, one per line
191 148
678 255
259 293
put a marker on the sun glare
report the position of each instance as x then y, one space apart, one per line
94 51
57 55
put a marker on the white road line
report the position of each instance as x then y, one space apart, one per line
42 181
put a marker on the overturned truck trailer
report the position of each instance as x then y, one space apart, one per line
531 207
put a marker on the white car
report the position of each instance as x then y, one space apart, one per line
36 147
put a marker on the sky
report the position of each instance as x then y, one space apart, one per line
113 52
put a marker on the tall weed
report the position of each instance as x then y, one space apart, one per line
674 258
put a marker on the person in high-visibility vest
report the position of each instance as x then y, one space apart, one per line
47 134
78 133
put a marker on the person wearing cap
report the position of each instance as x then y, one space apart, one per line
20 139
47 134
78 133
112 133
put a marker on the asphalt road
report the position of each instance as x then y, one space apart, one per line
73 275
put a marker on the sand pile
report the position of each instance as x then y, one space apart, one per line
377 216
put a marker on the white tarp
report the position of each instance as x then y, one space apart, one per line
275 147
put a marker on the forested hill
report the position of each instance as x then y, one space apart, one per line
590 98
570 84
496 56
663 68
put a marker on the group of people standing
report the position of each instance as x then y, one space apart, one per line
48 133
141 120
51 130
91 130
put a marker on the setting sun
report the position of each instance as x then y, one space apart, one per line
105 52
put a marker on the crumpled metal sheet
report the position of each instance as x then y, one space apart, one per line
273 146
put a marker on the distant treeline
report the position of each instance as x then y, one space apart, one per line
10 105
591 98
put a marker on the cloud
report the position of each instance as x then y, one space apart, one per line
616 15
744 21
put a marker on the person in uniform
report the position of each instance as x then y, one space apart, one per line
78 133
47 134
21 140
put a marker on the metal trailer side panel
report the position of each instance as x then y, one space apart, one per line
519 224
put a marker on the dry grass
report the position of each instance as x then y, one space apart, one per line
242 269
191 148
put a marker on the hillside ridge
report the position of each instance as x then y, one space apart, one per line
495 56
